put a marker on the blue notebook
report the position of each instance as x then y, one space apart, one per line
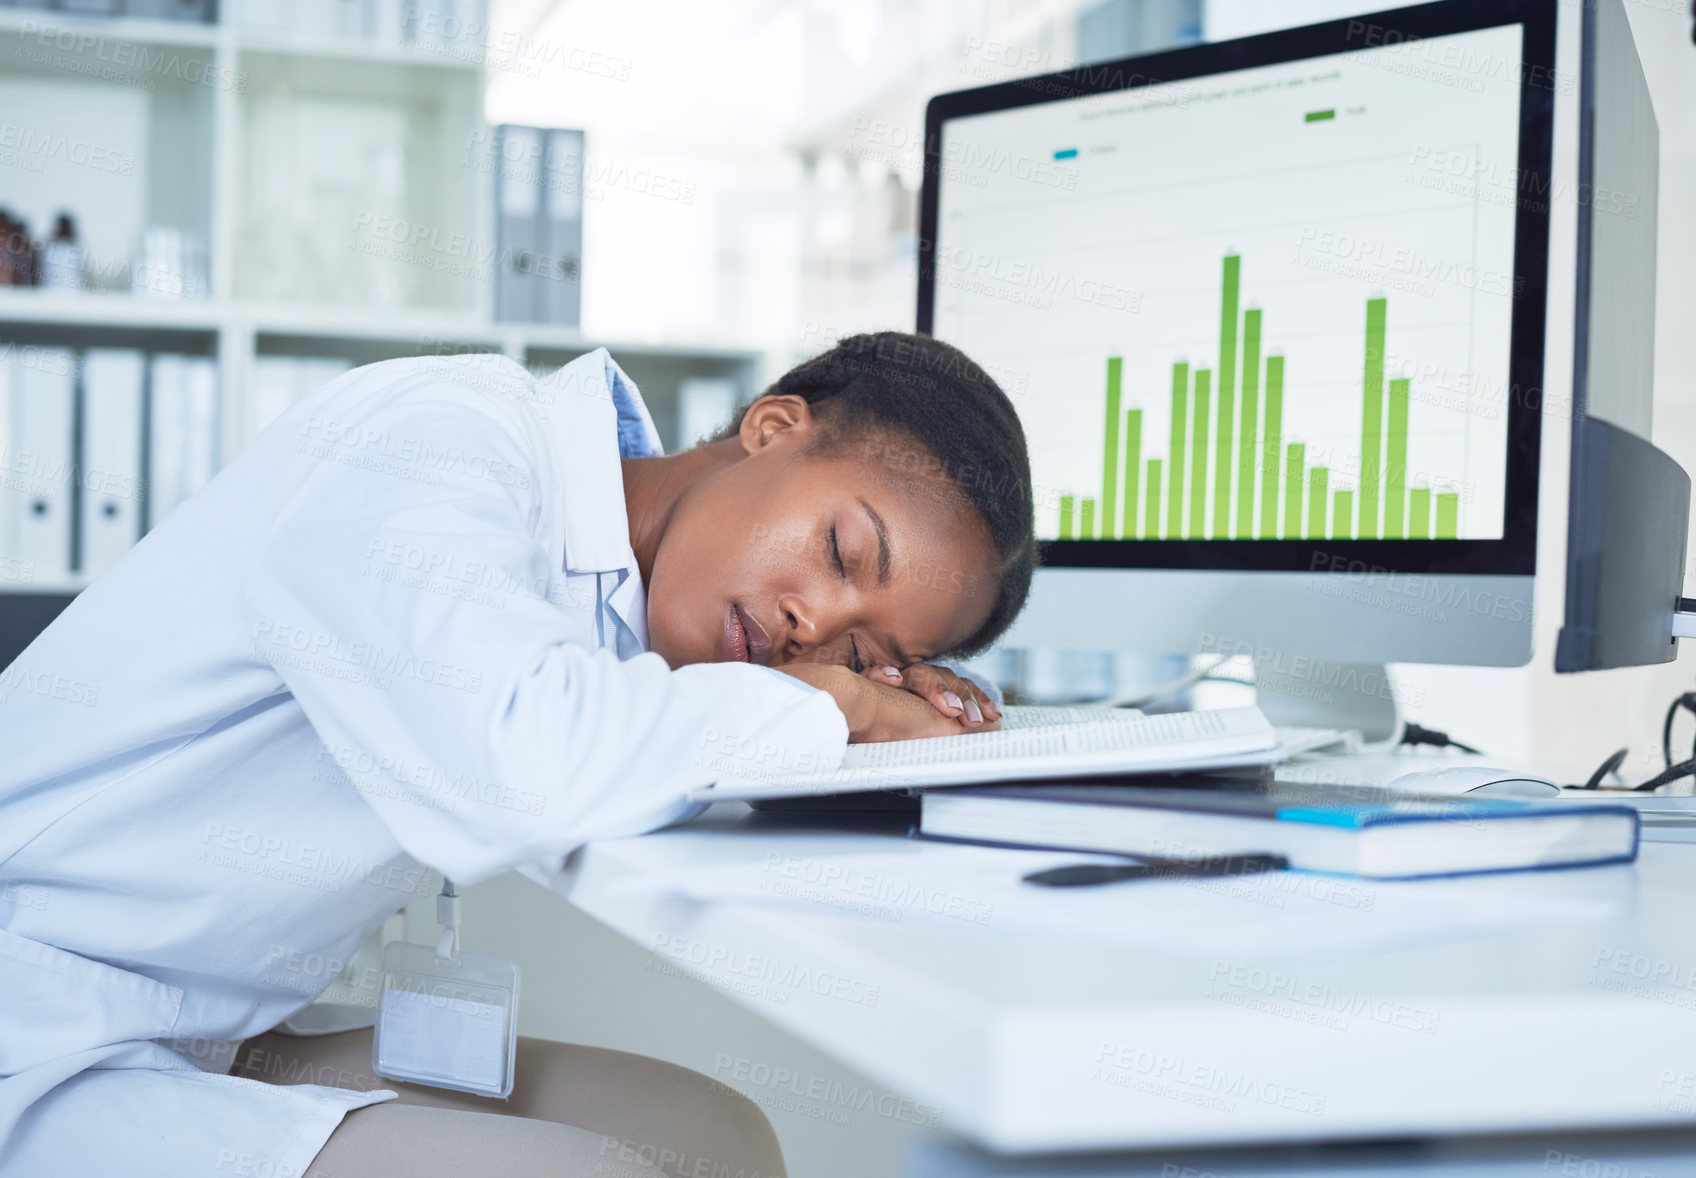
1345 830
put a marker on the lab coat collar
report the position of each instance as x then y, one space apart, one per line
596 417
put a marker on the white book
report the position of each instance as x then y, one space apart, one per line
39 501
1060 746
109 468
183 429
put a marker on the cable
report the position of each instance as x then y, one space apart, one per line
1611 765
1414 734
1188 679
1670 773
1687 701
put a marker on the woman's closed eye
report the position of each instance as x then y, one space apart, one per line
855 662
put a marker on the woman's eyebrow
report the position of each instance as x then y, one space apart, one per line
882 542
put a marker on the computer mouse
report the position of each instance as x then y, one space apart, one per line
1476 779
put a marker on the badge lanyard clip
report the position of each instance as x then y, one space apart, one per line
447 1018
447 915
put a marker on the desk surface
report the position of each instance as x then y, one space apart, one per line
1024 1042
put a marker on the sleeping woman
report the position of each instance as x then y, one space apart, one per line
446 615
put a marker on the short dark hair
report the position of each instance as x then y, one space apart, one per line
931 393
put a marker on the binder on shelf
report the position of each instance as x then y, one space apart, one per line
10 565
560 274
38 491
193 10
262 16
518 199
279 381
183 431
444 26
387 21
270 391
109 467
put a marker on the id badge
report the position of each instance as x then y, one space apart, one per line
451 1022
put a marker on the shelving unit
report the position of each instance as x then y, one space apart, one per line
236 136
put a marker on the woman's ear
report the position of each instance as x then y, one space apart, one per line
777 418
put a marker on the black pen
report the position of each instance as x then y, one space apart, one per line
1083 875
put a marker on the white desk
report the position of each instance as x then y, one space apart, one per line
1006 1035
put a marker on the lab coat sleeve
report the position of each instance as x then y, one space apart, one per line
402 597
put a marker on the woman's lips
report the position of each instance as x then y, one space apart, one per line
756 643
735 637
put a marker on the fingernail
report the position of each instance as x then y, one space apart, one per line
892 672
952 700
972 712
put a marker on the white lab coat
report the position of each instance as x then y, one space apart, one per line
404 629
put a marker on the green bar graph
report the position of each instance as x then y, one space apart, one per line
1274 444
1239 409
1198 455
1249 439
1372 420
1292 491
1151 517
1133 473
1419 514
1224 453
1110 461
1175 455
1448 515
1395 461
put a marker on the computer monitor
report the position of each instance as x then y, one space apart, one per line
1272 312
1630 502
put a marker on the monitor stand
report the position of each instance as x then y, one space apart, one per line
1320 694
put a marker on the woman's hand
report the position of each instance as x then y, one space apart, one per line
889 703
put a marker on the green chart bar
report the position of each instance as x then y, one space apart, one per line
1066 532
1292 491
1316 502
1372 420
1342 514
1151 518
1133 473
1110 456
1274 442
1250 439
1198 456
1224 452
1086 529
1419 514
1175 453
1448 515
1395 461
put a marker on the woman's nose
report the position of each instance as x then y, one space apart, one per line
803 627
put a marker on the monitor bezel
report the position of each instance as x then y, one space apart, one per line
1516 551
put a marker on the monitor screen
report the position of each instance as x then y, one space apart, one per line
1255 305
